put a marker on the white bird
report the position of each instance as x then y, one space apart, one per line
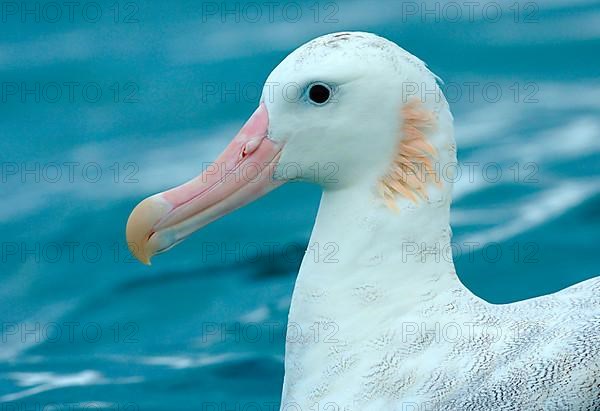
385 323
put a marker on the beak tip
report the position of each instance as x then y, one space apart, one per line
138 251
139 227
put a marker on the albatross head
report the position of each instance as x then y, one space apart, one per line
344 110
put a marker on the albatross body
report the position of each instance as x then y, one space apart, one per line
385 324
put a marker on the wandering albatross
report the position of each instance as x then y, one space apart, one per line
409 335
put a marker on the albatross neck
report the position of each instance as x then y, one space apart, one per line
371 263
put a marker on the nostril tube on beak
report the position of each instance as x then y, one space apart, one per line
251 146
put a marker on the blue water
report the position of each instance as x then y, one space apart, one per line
85 327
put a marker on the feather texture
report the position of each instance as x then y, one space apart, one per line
412 167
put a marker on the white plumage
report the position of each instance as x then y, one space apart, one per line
379 319
388 325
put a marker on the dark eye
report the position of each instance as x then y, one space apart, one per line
319 93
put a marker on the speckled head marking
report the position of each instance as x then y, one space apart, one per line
412 168
358 130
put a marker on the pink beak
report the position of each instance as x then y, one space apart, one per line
241 174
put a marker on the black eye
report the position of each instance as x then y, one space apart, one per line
319 93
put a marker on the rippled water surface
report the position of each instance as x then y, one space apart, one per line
82 324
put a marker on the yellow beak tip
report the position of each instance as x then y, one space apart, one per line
139 226
139 252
